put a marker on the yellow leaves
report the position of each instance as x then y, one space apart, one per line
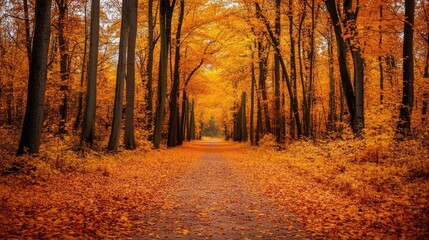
185 231
362 201
124 219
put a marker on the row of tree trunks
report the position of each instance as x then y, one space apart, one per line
166 12
120 77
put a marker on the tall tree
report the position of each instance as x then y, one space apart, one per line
342 59
354 46
149 67
64 60
27 30
404 124
332 118
252 102
263 62
278 115
380 57
120 77
311 73
88 127
82 73
292 95
243 122
293 71
166 12
33 120
129 139
174 96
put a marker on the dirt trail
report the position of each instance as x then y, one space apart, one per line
214 200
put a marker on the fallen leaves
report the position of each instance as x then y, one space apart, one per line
89 203
335 196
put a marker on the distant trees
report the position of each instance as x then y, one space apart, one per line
33 120
240 121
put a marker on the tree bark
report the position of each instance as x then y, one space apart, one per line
353 42
174 96
332 118
342 59
88 130
129 139
293 71
308 129
292 96
277 114
149 68
243 122
33 120
27 31
82 74
380 57
120 76
165 28
404 124
252 101
64 62
262 87
259 130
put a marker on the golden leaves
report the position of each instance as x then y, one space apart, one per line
338 197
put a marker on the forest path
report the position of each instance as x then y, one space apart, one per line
215 200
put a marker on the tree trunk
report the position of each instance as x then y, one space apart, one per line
342 59
293 71
27 31
404 124
120 76
277 114
174 96
310 93
183 120
149 68
262 87
88 129
353 42
259 130
380 57
332 118
252 102
192 122
82 74
129 139
426 76
33 120
243 123
64 62
292 96
165 24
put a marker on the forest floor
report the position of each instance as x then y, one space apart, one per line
220 190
